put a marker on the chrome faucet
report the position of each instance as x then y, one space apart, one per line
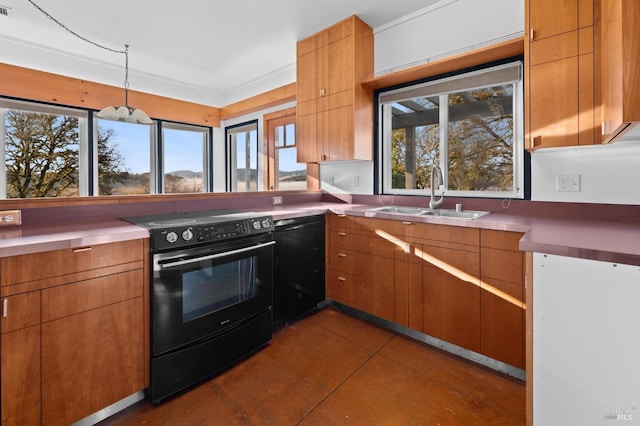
433 204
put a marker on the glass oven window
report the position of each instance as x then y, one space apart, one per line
207 290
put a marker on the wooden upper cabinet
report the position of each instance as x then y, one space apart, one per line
620 63
334 113
561 101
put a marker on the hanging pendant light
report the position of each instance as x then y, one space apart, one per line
121 113
125 112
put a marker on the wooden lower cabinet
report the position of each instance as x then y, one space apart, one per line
91 360
20 375
461 285
74 336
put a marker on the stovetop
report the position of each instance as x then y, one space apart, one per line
186 229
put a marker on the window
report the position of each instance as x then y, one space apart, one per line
284 172
242 157
42 151
184 158
469 124
48 151
124 158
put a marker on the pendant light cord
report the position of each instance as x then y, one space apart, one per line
45 13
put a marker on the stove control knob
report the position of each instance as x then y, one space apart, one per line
187 234
265 223
256 225
171 237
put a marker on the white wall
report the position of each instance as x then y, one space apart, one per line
347 177
444 29
608 173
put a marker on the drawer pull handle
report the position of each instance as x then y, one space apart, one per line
531 34
342 255
342 279
342 234
80 250
342 215
5 305
407 223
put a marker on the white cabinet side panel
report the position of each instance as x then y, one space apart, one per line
586 342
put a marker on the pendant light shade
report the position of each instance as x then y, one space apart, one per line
125 112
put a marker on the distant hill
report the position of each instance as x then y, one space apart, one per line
187 174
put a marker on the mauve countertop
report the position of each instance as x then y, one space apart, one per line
590 236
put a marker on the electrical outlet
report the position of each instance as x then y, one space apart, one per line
568 183
10 217
277 201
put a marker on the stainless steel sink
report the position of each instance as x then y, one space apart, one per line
422 211
464 214
400 210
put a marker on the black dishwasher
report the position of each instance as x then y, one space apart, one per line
298 284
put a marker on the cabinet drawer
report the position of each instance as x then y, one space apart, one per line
34 266
61 301
341 261
341 238
502 265
451 235
341 287
375 245
341 221
20 311
504 240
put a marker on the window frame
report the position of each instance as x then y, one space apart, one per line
231 155
442 86
271 122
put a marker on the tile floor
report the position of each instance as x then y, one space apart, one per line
331 369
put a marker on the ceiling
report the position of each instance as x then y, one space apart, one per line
215 47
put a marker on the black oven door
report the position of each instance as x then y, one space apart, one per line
200 292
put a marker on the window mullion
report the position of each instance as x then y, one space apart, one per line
3 165
444 139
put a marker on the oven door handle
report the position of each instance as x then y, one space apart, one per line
170 264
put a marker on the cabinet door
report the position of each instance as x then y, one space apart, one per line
552 17
451 296
91 360
408 289
341 65
21 377
307 73
20 311
553 103
374 286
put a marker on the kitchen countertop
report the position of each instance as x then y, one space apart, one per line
589 239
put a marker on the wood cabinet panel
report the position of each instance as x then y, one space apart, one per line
342 260
341 238
374 289
20 311
20 370
620 61
340 287
408 290
502 265
61 301
18 269
91 360
504 240
554 48
454 235
551 17
553 103
451 306
340 221
374 245
502 319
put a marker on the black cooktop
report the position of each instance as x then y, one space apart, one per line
205 217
